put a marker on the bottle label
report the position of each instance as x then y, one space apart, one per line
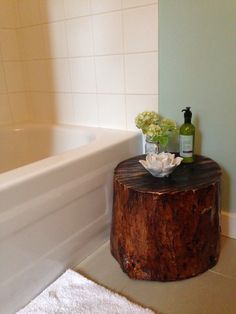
186 145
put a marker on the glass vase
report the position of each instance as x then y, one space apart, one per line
152 147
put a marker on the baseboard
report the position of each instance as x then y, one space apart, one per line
228 224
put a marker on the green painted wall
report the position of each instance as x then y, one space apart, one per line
197 49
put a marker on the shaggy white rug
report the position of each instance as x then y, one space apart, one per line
72 294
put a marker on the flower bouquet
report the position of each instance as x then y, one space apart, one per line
156 129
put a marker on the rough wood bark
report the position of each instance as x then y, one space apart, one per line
166 228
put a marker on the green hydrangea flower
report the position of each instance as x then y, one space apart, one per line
168 124
156 129
145 119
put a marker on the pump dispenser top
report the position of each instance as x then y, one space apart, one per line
187 115
187 135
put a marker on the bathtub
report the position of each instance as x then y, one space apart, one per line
55 201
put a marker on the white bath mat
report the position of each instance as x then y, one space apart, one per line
72 294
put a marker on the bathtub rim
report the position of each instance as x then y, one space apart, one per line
104 137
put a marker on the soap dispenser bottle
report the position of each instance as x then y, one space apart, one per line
187 134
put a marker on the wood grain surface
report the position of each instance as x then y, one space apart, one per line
166 228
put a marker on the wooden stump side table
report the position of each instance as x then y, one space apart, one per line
166 229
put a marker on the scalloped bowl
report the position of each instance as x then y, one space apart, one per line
161 165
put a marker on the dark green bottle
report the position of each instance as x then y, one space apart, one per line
186 137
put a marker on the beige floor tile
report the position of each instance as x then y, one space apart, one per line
213 292
227 261
205 294
102 268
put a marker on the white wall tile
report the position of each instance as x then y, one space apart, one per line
59 75
79 34
138 103
63 110
14 76
86 109
19 107
141 73
52 10
42 109
82 72
75 8
38 75
55 40
33 42
108 36
20 43
25 75
3 84
74 65
29 12
99 6
140 29
135 3
112 111
9 44
110 74
5 113
8 14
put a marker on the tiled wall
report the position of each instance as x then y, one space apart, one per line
13 98
91 62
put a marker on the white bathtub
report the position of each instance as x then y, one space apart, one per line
55 211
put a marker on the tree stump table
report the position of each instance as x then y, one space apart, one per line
166 228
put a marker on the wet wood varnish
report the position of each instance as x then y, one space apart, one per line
166 228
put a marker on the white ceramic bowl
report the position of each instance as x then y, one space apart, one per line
161 165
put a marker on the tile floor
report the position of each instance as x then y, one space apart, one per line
213 292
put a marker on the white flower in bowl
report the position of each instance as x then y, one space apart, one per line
161 165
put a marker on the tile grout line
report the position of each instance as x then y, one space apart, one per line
222 275
84 15
91 22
